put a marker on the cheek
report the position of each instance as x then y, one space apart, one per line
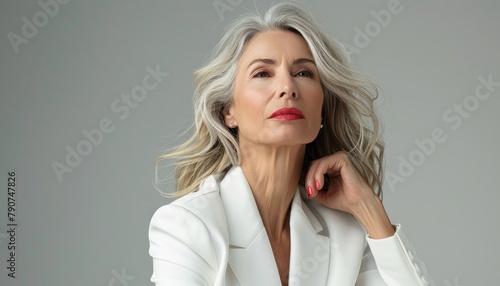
249 107
316 103
319 102
254 95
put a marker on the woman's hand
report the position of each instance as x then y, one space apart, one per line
348 192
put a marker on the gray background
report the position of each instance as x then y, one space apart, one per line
90 228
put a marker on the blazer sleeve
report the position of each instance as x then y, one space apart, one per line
181 248
392 261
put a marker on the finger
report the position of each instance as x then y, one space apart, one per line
330 165
311 183
337 163
328 198
315 176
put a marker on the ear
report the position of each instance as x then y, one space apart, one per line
229 119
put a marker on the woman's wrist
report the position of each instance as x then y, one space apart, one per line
372 215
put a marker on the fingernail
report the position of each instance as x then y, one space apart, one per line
309 191
317 185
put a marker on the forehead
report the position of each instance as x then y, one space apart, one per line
274 45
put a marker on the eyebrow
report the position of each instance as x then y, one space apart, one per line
273 62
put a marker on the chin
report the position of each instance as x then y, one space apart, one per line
294 139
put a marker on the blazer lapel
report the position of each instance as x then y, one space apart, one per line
310 249
250 255
347 243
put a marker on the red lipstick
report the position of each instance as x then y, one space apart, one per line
287 114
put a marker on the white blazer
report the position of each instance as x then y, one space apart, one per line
215 236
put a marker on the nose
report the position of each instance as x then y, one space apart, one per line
287 86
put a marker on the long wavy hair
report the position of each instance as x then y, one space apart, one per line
350 123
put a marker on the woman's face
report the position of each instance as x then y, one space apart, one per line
278 96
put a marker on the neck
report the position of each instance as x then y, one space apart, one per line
273 174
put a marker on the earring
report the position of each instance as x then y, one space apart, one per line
321 126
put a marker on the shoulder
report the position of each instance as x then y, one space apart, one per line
189 234
192 224
203 206
204 199
197 216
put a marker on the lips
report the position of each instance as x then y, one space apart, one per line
287 114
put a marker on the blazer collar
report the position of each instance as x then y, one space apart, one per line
250 253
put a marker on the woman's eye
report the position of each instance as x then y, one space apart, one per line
305 73
261 74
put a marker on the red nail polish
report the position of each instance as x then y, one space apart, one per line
317 185
309 191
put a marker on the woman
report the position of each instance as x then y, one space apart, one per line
281 182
